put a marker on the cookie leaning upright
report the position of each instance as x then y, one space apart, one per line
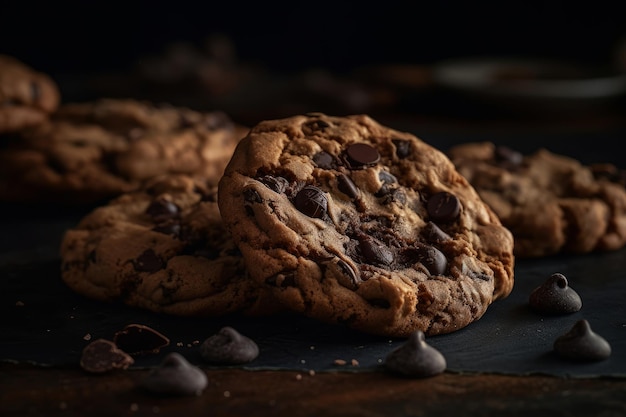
353 223
27 96
92 151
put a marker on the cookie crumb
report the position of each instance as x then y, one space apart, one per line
134 407
87 337
227 394
19 303
312 372
339 362
354 362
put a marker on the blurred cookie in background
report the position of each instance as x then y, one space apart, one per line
92 151
27 96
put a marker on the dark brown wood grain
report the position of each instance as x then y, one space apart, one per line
35 391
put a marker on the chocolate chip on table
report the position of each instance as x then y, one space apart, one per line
102 356
555 296
229 347
582 344
312 201
416 358
139 339
360 155
175 376
443 207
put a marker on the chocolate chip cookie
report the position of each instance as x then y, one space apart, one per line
93 151
354 223
27 96
551 203
163 248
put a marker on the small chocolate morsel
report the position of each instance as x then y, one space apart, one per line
138 339
362 154
375 251
582 344
416 358
433 233
171 228
508 157
443 207
346 186
555 297
103 355
324 160
148 261
175 376
312 201
229 347
432 258
403 148
161 210
277 184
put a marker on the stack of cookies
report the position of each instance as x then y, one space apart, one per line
339 219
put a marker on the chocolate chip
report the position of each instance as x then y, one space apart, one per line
229 347
582 344
346 186
443 207
403 148
387 177
137 339
416 358
250 195
362 154
324 160
346 275
312 201
103 355
276 184
171 228
148 261
555 296
432 258
375 251
162 209
175 376
433 233
508 157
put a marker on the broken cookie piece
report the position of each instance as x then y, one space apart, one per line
102 356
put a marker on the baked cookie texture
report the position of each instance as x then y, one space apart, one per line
93 151
551 203
27 96
163 248
354 223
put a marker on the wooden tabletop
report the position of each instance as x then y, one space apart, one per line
27 390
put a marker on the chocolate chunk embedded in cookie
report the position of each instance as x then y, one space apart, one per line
551 203
90 152
27 96
164 249
354 223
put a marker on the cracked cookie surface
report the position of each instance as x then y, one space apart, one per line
163 248
551 203
92 151
354 223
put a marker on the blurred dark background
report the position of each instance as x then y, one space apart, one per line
72 35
